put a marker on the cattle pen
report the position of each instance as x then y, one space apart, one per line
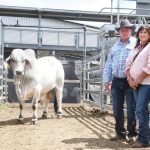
87 122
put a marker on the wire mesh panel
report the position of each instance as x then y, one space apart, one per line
89 73
1 77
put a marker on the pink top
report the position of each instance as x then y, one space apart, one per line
140 64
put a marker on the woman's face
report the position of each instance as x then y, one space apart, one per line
144 36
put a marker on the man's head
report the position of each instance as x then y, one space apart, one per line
125 29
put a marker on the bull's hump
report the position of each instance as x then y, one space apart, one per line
47 59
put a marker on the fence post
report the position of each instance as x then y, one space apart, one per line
2 87
102 55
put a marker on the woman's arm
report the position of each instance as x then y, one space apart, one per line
130 80
146 69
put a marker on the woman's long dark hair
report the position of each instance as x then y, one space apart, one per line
143 27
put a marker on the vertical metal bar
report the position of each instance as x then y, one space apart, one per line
111 11
77 40
2 60
58 37
81 80
118 11
39 29
84 63
84 42
21 35
102 40
5 70
88 77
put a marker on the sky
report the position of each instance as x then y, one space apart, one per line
83 5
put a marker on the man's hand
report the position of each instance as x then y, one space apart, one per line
107 86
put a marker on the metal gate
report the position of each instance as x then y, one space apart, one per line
90 70
3 70
1 66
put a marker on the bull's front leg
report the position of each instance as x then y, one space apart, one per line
35 100
21 117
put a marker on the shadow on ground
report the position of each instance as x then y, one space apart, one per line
100 124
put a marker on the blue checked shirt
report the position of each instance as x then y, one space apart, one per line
115 64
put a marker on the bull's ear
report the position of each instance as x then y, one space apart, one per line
28 63
8 62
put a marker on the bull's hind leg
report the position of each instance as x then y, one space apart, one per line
59 101
45 111
55 105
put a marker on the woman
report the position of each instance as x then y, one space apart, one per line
138 76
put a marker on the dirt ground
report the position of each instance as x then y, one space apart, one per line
77 130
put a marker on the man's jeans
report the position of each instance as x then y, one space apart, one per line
142 96
121 91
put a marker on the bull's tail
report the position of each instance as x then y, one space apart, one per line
55 105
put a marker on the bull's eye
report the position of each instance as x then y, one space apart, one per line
13 60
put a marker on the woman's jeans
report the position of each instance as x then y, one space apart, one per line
142 96
122 91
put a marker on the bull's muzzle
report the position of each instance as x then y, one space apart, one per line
18 72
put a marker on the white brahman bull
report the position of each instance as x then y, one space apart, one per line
35 78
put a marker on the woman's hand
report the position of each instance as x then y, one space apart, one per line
133 84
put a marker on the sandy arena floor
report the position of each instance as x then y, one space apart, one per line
77 130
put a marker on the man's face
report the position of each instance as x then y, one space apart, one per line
125 33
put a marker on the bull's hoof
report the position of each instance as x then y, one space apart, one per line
44 116
59 115
34 122
21 120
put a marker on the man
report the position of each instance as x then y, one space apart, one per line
115 71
